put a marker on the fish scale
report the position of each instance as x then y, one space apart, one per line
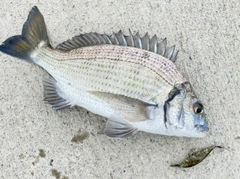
114 69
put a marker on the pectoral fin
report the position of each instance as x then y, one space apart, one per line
126 111
117 127
130 109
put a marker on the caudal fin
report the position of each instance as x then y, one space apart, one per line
34 32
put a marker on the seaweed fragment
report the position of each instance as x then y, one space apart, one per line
196 157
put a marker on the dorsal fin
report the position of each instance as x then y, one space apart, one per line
145 42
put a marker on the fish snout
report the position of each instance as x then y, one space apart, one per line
201 125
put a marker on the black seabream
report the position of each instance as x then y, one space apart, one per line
130 80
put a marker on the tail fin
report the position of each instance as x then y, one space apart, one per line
34 32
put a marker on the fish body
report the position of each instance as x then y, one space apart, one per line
131 80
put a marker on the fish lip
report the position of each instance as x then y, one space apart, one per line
202 128
200 123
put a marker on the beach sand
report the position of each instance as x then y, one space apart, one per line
38 142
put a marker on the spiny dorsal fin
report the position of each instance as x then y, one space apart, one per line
91 39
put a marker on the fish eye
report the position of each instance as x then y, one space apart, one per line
198 108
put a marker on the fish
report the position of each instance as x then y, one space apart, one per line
131 80
196 157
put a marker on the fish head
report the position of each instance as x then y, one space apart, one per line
185 115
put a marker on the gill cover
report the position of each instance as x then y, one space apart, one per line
183 112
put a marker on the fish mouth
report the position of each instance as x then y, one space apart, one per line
201 125
202 128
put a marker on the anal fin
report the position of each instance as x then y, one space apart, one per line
53 95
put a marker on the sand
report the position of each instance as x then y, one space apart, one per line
38 142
